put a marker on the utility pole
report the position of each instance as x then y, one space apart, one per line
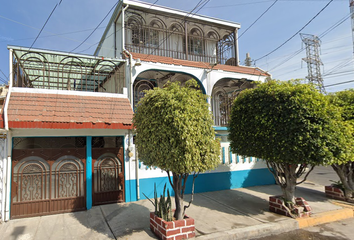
351 5
312 44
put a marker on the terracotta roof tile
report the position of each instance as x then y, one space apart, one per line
39 110
187 63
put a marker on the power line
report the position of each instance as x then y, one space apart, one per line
4 74
340 83
287 55
286 60
296 32
118 30
52 35
3 80
45 24
334 26
199 5
337 24
265 1
96 27
259 18
338 66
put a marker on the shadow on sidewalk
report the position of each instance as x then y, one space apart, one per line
128 218
118 220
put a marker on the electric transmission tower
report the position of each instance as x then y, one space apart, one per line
312 44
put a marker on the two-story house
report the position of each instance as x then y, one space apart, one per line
66 122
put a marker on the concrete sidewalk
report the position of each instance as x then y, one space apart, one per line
230 214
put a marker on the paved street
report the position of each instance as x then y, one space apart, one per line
323 175
339 230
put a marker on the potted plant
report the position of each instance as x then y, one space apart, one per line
162 222
174 131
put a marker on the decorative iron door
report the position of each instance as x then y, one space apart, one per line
108 172
47 181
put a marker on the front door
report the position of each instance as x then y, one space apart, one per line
108 170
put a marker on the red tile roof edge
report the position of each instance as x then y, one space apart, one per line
68 125
188 63
21 118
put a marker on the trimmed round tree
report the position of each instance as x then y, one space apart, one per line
174 131
290 125
345 169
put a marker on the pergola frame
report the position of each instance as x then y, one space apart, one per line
34 68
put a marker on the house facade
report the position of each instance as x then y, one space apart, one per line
66 135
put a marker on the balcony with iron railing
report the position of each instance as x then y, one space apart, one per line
175 44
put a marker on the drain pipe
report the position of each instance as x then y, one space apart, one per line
9 143
131 101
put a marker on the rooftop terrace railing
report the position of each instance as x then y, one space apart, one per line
61 71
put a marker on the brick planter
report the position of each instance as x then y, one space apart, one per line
174 230
334 193
302 208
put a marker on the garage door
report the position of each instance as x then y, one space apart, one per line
48 176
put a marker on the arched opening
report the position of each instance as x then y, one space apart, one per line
225 91
157 78
196 42
176 43
226 49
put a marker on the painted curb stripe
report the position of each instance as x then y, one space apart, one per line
325 217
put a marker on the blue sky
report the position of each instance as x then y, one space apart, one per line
73 21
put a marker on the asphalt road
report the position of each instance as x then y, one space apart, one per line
323 175
341 230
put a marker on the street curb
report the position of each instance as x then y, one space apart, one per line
325 217
256 231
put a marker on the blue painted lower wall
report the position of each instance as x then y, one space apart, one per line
204 183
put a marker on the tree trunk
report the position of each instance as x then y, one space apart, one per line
288 188
179 206
345 173
286 175
289 192
177 187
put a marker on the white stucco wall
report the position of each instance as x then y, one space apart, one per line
107 47
2 176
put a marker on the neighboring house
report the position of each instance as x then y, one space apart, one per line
67 140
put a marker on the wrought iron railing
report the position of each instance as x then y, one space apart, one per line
141 48
52 70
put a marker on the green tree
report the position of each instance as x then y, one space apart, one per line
174 132
290 125
345 167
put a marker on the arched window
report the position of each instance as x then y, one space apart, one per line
136 33
139 90
195 42
226 49
211 46
176 40
225 91
152 33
